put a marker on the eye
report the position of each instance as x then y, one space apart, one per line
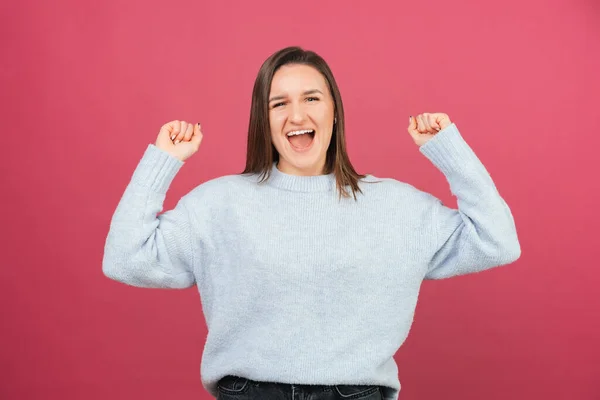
278 104
312 99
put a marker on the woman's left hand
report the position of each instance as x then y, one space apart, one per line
425 126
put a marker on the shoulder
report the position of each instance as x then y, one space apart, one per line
225 182
223 187
373 185
389 192
399 201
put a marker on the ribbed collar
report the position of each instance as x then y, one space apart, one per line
297 183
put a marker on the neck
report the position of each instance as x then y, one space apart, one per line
286 168
301 183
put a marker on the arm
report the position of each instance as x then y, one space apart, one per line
481 234
143 249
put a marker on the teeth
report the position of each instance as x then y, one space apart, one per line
302 132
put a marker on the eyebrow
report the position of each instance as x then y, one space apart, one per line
312 91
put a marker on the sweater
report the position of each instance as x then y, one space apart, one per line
297 285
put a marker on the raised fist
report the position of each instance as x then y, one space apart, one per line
425 126
181 139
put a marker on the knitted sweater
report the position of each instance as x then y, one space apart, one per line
298 286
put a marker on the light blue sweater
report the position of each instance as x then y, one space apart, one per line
296 285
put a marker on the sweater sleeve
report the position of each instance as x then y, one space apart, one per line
145 249
481 234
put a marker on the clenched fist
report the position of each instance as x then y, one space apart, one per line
425 126
181 139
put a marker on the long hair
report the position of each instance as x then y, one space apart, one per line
261 153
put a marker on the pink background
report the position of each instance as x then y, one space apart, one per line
86 85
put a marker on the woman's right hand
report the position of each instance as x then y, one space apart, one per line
180 139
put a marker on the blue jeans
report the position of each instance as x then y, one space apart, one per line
236 388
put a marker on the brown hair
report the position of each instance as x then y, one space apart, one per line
261 152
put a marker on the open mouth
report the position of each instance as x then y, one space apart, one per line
301 140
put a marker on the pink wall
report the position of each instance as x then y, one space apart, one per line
86 85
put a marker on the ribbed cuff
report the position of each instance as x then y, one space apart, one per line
448 151
156 169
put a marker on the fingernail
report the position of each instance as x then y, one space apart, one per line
177 141
410 119
172 137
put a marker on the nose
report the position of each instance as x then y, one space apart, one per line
297 113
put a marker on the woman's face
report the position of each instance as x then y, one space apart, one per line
301 113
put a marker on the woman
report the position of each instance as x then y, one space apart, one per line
308 272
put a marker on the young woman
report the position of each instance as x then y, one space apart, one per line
308 271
